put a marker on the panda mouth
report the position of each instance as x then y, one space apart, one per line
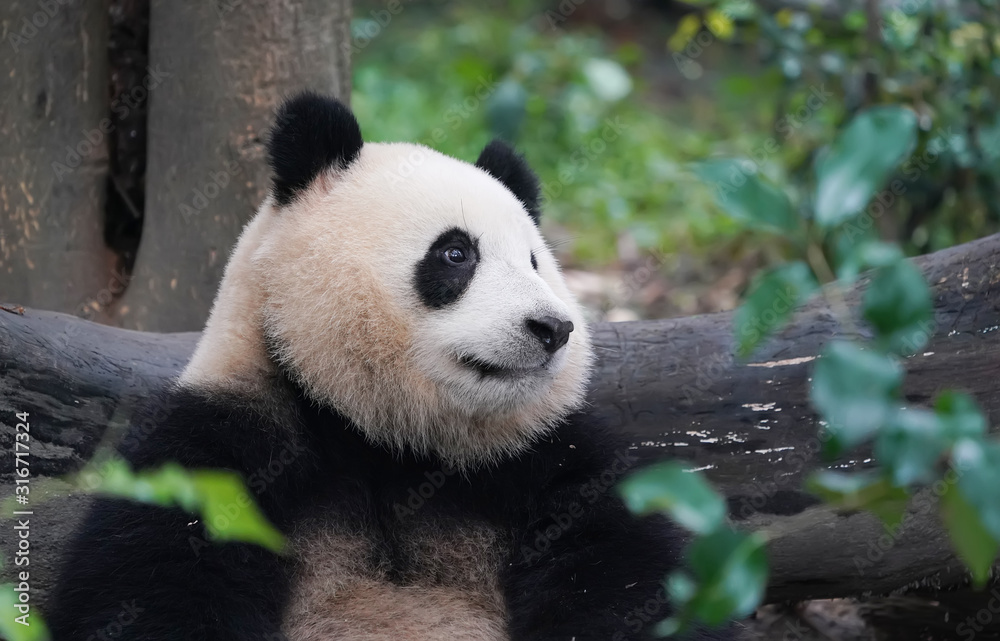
492 370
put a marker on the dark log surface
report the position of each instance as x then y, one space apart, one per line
672 384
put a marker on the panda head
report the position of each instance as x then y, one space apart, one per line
412 292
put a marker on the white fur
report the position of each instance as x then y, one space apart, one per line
330 278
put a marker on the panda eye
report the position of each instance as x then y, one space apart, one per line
454 256
534 262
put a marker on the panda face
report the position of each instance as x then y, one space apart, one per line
491 329
414 294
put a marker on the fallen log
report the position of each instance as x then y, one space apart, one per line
673 385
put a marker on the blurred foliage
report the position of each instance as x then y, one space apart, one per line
18 622
856 385
228 511
588 109
725 573
454 75
941 59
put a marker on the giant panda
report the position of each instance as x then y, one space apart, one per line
396 366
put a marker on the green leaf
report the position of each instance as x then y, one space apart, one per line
914 441
725 579
972 541
684 496
898 304
910 445
11 629
681 589
855 391
860 160
231 514
745 197
730 569
863 254
978 466
228 510
960 415
861 492
770 303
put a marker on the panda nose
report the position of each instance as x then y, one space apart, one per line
552 332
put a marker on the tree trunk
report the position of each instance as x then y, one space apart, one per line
673 385
53 156
217 72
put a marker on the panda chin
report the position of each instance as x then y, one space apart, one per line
492 371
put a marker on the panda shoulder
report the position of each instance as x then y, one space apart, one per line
197 427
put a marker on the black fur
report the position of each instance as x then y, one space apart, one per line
311 133
577 564
439 282
506 165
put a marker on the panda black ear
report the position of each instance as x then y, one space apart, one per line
311 133
509 167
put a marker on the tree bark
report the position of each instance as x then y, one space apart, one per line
672 385
217 71
53 156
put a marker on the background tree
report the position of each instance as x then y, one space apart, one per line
131 157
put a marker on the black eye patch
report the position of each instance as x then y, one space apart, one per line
445 271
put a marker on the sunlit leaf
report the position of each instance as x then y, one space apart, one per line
720 24
855 390
219 497
772 299
684 496
10 628
860 160
231 514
